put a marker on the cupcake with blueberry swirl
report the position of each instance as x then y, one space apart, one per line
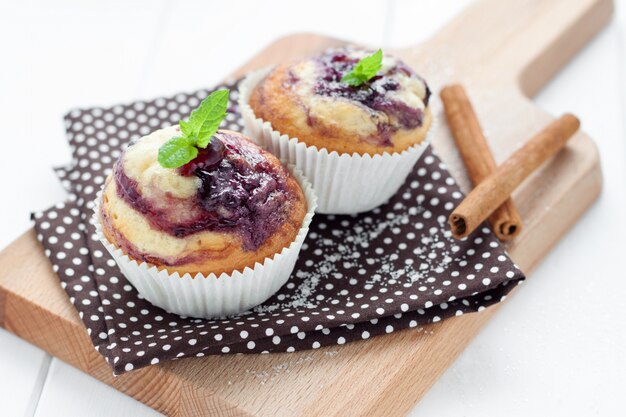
353 121
203 222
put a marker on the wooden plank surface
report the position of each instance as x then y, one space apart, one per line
368 374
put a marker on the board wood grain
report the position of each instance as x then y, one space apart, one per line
503 51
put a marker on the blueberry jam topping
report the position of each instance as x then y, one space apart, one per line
240 192
372 94
245 192
206 159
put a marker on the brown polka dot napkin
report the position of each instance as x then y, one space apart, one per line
357 277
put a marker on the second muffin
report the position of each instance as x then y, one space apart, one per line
356 143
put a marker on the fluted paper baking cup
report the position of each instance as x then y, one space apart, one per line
211 296
344 183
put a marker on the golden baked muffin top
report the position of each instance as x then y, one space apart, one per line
231 206
307 99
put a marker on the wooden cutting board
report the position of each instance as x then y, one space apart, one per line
503 51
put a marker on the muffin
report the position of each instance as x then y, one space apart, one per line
369 134
215 221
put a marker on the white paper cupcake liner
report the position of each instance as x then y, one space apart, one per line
344 183
211 296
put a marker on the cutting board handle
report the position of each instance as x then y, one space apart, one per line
523 42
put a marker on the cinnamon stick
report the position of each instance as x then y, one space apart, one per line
477 157
496 188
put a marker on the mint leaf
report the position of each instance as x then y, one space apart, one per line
197 132
206 119
185 128
353 79
176 152
364 70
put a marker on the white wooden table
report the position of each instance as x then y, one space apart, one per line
556 348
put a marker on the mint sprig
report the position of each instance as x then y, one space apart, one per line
176 152
364 70
196 132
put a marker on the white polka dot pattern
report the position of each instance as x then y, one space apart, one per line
357 277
